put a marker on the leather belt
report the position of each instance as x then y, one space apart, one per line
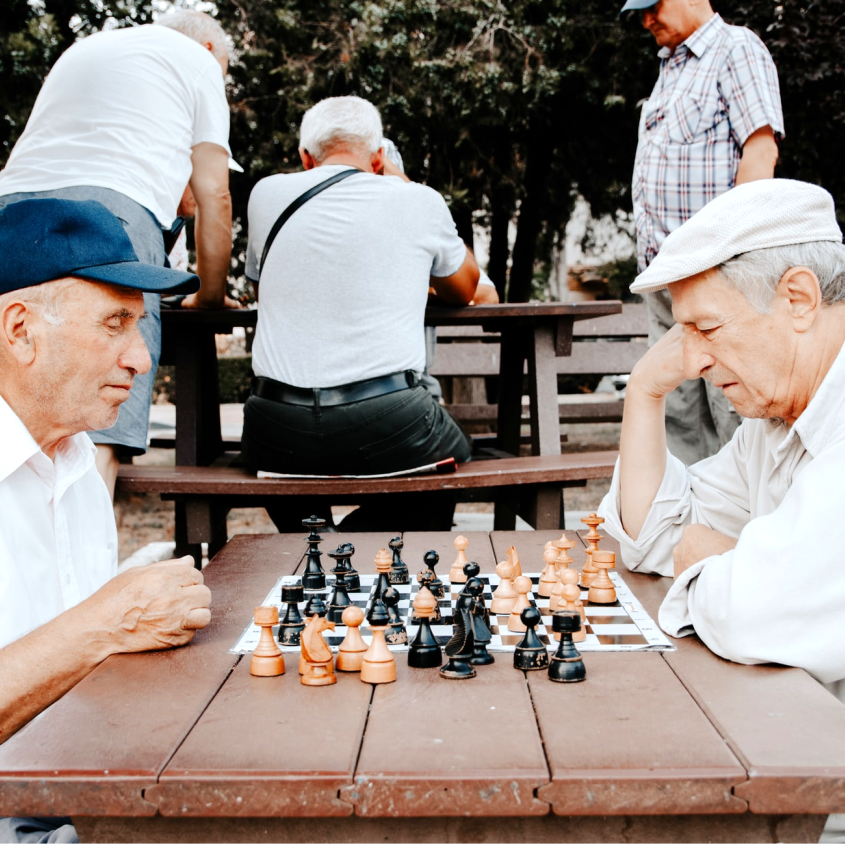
276 391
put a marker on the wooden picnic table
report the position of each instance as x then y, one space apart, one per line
532 336
186 745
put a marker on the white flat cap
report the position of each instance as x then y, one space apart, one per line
756 215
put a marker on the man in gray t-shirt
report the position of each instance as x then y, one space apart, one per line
339 346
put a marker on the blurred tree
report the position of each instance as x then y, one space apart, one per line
509 111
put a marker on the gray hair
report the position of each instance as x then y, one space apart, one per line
756 274
199 26
340 123
46 297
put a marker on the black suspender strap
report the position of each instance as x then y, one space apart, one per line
297 203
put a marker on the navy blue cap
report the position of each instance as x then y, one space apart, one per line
636 5
42 240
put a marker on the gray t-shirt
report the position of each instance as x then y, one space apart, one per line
344 288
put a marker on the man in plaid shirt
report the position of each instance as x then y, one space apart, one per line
711 122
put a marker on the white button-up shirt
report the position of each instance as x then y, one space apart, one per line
779 596
58 540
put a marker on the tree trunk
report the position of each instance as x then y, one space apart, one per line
530 219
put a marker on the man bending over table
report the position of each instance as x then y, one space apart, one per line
339 347
754 534
71 297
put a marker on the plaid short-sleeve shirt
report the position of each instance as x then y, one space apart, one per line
713 92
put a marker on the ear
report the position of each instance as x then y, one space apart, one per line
377 160
17 334
799 289
307 159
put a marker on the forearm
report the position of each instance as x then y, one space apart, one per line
642 455
42 666
213 237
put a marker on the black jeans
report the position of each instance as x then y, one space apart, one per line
387 433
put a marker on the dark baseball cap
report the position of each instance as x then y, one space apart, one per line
42 240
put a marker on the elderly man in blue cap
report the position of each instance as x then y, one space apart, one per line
710 123
71 297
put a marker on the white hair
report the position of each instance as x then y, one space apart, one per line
46 297
756 274
199 26
340 123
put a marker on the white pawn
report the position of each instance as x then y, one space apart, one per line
523 587
505 595
456 573
548 578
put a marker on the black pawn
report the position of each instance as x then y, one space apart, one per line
471 570
482 634
377 615
353 580
315 606
566 666
424 651
460 649
431 559
530 654
292 624
395 633
398 571
314 578
340 598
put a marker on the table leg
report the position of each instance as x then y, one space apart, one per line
542 392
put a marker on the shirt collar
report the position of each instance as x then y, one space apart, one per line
822 424
700 40
74 455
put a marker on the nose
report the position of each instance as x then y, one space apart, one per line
648 17
697 358
135 356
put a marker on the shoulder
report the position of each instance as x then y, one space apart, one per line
423 196
742 42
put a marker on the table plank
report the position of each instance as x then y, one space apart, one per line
631 741
287 749
794 765
470 748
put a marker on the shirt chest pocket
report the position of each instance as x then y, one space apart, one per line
693 118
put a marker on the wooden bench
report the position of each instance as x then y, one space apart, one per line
609 345
513 484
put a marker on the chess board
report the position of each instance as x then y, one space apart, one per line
622 626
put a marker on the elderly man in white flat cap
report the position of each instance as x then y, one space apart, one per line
757 279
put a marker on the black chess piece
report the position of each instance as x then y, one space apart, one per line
460 649
339 600
480 623
530 654
353 579
315 606
292 623
471 570
431 559
398 571
377 615
424 651
566 665
395 633
313 578
425 577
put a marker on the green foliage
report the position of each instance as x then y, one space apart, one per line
508 110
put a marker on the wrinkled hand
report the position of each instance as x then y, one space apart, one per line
697 543
153 607
192 301
661 369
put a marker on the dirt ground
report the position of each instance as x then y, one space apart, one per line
144 518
